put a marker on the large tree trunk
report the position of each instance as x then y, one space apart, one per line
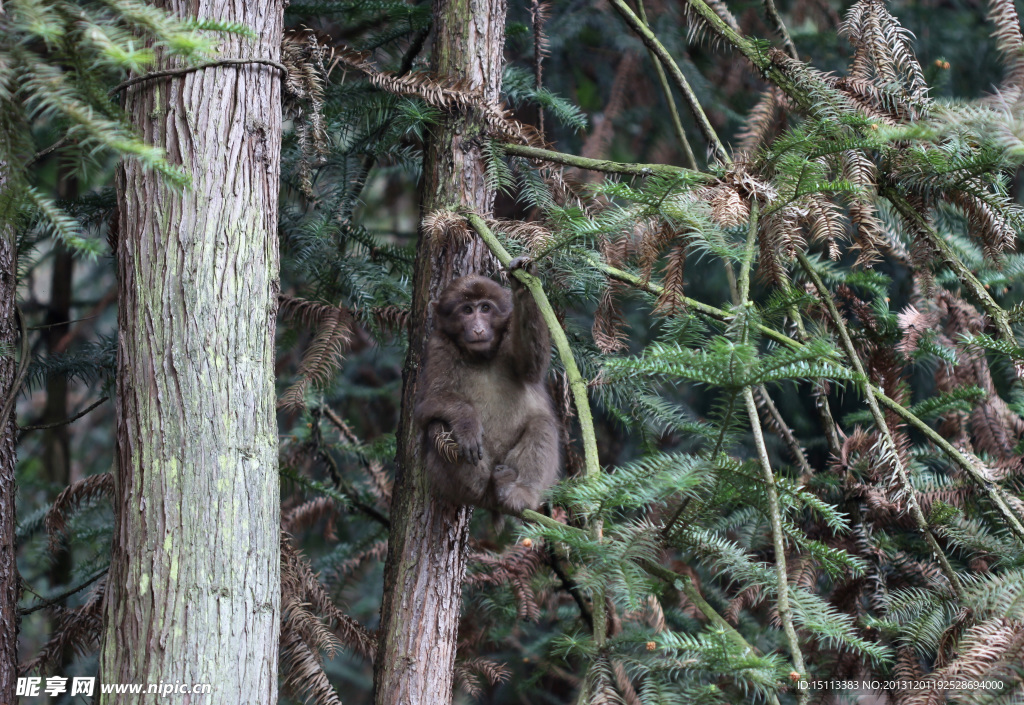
193 593
9 580
427 545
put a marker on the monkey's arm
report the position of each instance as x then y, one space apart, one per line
530 342
458 415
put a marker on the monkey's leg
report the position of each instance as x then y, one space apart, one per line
530 467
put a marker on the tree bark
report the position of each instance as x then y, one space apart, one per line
193 594
9 579
426 560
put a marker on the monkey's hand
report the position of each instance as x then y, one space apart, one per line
469 434
524 263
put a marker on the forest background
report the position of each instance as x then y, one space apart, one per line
781 239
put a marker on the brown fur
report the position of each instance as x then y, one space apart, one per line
484 382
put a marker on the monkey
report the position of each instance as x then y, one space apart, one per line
483 387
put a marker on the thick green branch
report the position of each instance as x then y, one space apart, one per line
761 60
692 304
682 582
604 165
648 37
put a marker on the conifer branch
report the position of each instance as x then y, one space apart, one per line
778 540
603 165
881 424
59 598
683 583
648 38
767 64
969 465
828 423
962 272
700 307
666 90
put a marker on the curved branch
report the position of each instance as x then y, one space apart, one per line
65 422
167 73
62 596
578 385
963 273
780 27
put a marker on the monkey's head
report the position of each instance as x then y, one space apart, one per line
474 313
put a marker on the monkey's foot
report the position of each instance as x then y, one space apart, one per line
504 475
512 497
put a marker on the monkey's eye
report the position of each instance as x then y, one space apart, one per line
467 309
485 308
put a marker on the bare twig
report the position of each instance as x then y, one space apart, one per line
676 73
570 586
771 493
780 27
666 89
786 433
62 596
168 73
65 422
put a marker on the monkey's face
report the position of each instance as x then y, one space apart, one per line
474 312
477 326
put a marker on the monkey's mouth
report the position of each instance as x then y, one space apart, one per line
482 344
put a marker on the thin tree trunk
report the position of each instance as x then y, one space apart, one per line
56 441
9 580
194 589
427 545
